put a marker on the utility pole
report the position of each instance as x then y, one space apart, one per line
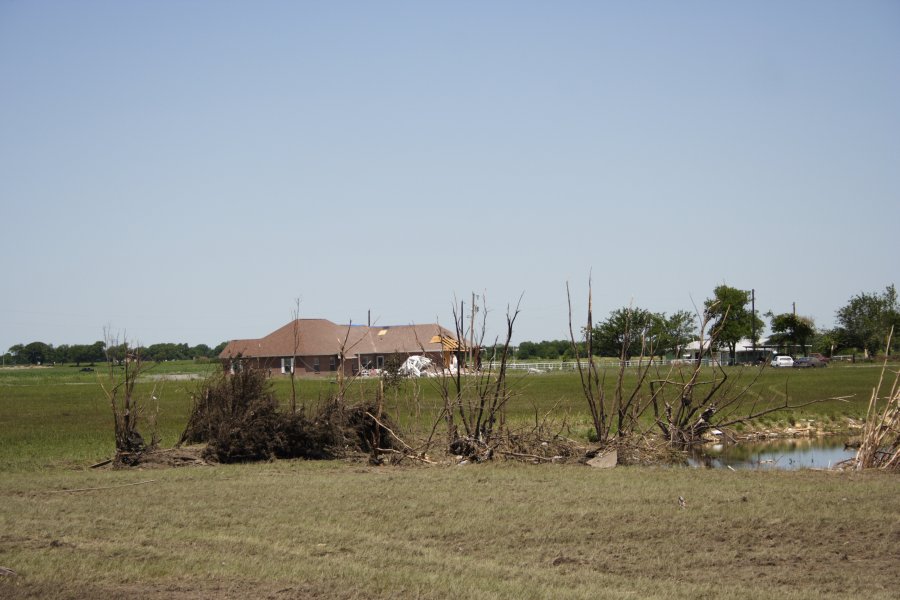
462 334
471 352
753 320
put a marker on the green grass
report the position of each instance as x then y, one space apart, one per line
58 416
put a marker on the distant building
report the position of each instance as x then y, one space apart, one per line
745 352
320 346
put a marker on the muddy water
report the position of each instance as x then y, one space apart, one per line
797 453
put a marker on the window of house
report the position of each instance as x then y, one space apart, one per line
287 365
379 362
316 365
332 363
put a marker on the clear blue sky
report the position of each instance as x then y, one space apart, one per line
181 171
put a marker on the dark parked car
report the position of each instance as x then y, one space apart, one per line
809 362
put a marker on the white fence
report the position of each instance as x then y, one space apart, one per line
601 364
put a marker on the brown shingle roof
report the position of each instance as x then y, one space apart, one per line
321 337
410 338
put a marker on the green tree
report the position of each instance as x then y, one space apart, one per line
115 353
200 351
553 349
731 320
675 332
865 321
17 354
626 333
526 351
790 330
37 353
825 342
84 353
62 354
166 351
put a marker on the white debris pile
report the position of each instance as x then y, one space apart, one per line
415 366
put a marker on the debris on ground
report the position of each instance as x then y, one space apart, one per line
415 366
239 419
607 460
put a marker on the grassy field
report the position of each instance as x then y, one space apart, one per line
296 529
341 529
58 416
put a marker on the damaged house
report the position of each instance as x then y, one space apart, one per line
320 346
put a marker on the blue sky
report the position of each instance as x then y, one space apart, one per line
182 171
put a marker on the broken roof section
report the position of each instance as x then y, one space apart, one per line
321 337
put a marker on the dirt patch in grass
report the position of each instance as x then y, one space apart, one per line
190 456
313 529
236 590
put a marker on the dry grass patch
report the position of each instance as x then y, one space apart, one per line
296 529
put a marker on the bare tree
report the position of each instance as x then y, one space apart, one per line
493 395
127 408
697 401
295 331
690 418
627 405
591 384
686 403
476 403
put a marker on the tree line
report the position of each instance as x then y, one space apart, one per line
40 353
628 331
863 325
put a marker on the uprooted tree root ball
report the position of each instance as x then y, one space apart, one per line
239 419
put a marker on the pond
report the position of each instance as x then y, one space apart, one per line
793 453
